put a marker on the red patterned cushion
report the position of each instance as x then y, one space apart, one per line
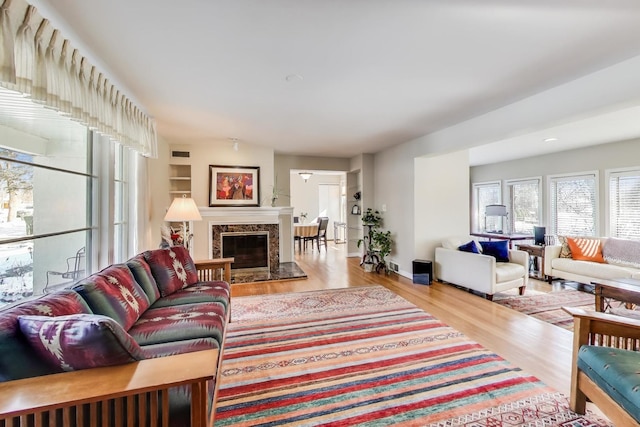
13 345
172 268
213 291
181 322
80 341
113 292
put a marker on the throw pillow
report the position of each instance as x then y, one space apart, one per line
172 268
584 249
565 251
80 341
469 247
114 292
499 249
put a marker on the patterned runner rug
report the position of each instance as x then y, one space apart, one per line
365 356
548 306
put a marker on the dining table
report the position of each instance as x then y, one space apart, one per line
300 231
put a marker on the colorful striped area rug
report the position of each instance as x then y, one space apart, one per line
365 356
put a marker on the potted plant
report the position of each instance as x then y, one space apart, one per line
377 243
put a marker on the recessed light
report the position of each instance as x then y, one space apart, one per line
552 139
294 78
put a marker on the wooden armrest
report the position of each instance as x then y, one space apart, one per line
64 390
209 265
592 327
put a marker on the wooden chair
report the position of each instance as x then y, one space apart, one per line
607 330
75 269
323 222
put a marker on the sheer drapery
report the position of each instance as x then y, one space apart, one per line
44 66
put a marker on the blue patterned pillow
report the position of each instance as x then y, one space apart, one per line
499 249
469 247
80 341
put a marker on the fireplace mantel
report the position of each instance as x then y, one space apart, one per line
283 216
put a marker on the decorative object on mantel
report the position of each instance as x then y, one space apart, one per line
276 192
234 185
305 175
183 209
377 243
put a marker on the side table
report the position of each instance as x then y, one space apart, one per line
535 252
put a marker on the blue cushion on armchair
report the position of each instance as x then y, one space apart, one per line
469 247
499 249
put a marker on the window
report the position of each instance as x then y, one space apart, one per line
120 203
573 204
624 204
524 203
58 181
485 193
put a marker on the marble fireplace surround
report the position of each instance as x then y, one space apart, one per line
277 221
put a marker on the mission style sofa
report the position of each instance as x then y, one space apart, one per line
592 258
137 343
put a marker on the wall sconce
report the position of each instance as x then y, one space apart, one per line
305 175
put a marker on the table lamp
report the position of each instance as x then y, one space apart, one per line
183 209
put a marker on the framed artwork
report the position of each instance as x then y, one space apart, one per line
234 185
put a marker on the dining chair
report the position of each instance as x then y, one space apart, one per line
321 235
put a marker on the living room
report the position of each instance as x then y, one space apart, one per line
423 174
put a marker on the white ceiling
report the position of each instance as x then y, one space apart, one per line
365 74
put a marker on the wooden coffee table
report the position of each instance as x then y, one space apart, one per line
623 290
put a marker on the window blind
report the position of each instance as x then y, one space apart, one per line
525 206
486 194
624 204
573 205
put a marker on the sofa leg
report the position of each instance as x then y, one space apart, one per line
521 290
489 297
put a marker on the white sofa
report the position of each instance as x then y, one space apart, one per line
622 261
478 272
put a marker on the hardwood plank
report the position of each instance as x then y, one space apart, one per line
539 348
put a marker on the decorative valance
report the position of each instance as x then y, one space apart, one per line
36 61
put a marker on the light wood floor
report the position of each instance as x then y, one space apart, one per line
538 348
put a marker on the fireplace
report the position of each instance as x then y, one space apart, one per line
265 238
250 249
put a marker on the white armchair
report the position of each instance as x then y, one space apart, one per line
481 273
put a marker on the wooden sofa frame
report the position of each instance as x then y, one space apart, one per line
76 398
602 329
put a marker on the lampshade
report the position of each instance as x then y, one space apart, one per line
305 175
183 209
495 210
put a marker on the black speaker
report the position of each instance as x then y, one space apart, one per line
422 271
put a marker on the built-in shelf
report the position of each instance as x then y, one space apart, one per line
179 180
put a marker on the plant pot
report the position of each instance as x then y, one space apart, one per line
368 267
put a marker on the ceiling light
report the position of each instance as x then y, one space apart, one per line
552 139
294 78
305 175
236 146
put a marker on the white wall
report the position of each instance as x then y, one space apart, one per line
441 200
215 153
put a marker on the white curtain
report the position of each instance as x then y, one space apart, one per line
42 65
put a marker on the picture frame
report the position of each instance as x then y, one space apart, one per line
234 185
